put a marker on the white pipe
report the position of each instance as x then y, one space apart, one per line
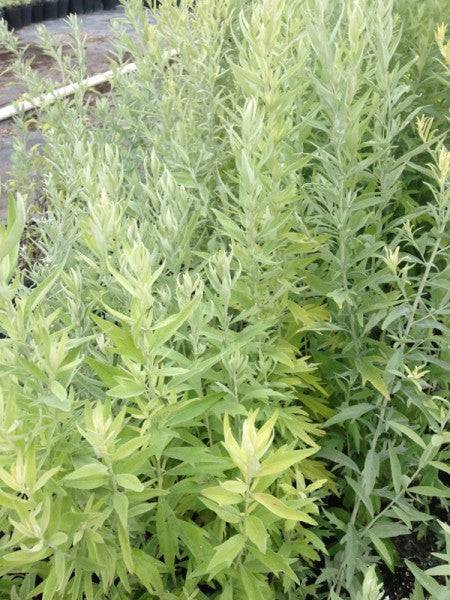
11 110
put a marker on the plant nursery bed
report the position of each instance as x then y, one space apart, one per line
97 29
19 14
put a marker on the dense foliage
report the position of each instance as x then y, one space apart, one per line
224 309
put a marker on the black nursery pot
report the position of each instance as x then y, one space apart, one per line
76 7
63 8
110 4
50 9
27 14
37 11
13 16
88 6
157 3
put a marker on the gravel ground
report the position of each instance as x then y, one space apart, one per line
97 29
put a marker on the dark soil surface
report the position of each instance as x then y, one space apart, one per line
400 583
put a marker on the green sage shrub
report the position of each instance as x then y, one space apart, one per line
158 323
224 309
